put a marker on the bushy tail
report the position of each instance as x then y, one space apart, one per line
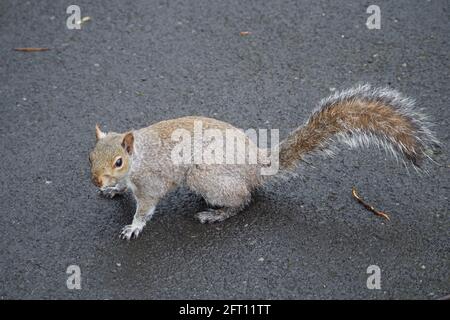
358 117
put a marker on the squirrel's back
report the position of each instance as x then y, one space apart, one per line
171 148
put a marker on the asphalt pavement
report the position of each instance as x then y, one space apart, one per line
139 62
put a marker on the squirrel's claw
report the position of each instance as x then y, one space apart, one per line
111 192
130 231
110 195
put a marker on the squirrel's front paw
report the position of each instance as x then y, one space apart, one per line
108 194
130 231
111 192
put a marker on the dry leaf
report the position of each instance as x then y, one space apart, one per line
244 33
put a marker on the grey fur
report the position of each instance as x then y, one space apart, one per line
152 173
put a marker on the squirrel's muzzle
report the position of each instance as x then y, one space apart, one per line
97 181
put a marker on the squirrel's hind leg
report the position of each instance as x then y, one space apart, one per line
224 188
216 215
229 202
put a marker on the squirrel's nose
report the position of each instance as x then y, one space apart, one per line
97 181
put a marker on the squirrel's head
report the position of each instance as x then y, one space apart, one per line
111 158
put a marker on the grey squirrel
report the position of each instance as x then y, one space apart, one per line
142 160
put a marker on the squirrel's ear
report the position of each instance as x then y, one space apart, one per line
128 142
98 133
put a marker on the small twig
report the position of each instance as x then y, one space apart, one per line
368 206
31 49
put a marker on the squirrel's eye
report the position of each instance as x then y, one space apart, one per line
118 163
